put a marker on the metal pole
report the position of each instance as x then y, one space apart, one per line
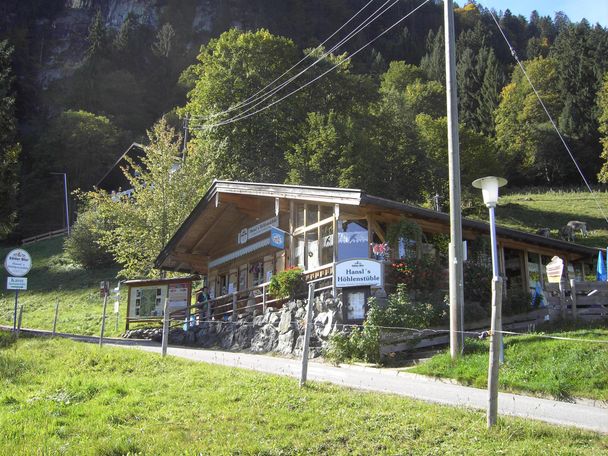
103 318
495 274
67 208
307 329
494 361
234 306
19 320
455 256
15 312
55 318
165 340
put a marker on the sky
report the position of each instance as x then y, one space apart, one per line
592 10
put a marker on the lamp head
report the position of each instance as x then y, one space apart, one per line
489 188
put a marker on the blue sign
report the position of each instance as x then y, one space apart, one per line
277 238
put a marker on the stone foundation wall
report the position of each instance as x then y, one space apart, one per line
276 330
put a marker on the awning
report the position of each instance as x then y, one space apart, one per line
240 252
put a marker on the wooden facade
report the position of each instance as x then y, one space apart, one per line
326 225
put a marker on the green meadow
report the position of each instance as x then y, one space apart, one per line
62 397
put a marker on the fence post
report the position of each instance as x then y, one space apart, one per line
494 361
19 320
234 306
562 297
573 298
103 318
263 299
55 317
165 340
307 329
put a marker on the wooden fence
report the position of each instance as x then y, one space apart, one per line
583 300
254 299
40 237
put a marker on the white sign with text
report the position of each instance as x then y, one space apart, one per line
18 262
16 283
359 273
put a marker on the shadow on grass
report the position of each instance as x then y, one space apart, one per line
7 339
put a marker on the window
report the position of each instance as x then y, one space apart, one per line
327 244
299 215
352 239
326 212
312 214
299 251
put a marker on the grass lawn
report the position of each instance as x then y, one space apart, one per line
560 368
553 209
63 397
54 279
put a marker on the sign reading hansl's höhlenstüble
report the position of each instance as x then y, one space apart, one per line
359 273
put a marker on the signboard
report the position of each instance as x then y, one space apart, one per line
277 238
256 230
16 283
178 295
18 262
359 273
555 269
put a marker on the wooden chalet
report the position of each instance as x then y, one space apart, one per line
230 238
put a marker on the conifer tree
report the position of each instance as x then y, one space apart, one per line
9 148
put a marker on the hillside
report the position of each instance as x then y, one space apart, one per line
529 211
53 279
83 79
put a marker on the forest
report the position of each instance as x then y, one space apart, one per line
377 121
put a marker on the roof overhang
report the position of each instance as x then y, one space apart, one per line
186 251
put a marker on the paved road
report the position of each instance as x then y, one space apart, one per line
584 416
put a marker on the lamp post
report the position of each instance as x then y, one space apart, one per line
65 192
489 188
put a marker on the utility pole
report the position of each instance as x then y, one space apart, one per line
455 256
185 143
65 194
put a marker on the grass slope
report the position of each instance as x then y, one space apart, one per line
560 368
61 397
553 209
53 279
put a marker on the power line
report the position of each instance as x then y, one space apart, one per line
523 69
345 59
366 22
253 98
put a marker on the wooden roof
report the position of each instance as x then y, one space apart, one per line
202 235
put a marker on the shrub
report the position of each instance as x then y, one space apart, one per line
287 283
418 274
363 344
518 300
82 246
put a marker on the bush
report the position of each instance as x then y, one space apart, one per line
518 300
82 246
418 274
363 344
287 283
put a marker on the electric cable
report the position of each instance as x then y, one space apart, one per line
270 84
366 22
345 59
523 69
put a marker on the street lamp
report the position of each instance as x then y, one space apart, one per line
65 191
489 188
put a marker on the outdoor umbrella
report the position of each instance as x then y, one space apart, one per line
601 268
